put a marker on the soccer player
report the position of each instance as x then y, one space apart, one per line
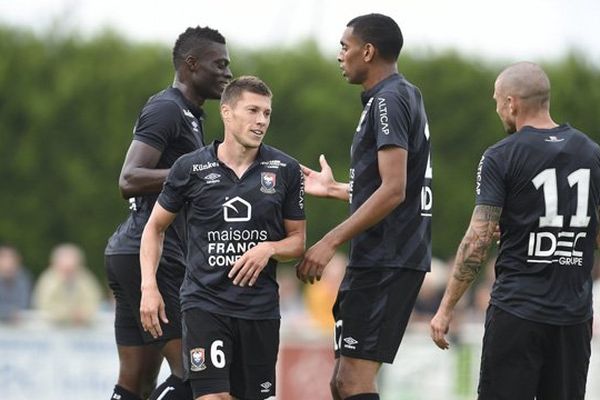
390 204
541 184
244 208
169 125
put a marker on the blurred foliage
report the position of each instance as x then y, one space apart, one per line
67 108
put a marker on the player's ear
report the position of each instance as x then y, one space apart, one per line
191 61
512 106
369 52
226 112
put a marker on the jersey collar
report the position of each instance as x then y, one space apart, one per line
261 156
194 109
366 95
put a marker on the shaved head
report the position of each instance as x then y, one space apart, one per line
527 81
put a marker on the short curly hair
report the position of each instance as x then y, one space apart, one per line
193 39
381 31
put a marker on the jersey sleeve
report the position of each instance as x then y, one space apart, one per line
293 208
157 124
490 188
175 190
391 120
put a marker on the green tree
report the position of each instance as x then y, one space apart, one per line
67 109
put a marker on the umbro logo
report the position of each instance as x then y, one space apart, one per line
553 139
350 343
212 178
188 113
266 387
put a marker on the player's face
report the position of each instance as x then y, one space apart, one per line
504 110
248 120
212 71
350 57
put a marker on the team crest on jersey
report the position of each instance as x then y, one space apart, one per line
267 182
197 359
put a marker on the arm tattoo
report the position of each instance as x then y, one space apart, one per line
474 246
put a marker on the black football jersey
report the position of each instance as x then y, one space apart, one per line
173 125
225 217
393 115
547 182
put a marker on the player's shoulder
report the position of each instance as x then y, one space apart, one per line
275 158
501 146
398 90
199 159
398 84
167 101
584 137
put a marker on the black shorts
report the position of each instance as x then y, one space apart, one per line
222 354
523 360
124 278
372 310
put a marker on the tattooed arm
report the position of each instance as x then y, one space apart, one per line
470 256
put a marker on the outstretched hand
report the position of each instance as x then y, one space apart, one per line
318 183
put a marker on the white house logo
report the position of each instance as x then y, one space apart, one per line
553 139
237 210
267 182
266 387
197 359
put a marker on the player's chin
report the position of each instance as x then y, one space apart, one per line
216 93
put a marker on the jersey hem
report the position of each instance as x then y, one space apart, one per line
229 313
539 320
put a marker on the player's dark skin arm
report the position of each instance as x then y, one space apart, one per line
471 255
389 195
246 270
138 176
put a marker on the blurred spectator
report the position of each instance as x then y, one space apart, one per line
291 302
321 295
15 284
66 292
431 291
483 289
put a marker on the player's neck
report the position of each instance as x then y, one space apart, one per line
188 92
236 156
377 73
541 120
